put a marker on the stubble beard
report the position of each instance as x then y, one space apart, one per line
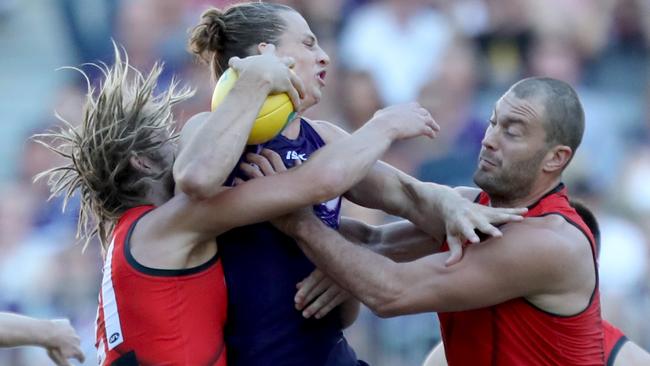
511 183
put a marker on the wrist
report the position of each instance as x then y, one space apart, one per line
427 198
45 333
386 128
445 200
380 129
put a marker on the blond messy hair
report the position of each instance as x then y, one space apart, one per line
123 118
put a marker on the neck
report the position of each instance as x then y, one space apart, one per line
538 191
158 194
293 129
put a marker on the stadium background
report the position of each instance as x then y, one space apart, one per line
455 57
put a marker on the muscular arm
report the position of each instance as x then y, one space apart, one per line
385 188
442 212
212 142
400 241
531 260
183 222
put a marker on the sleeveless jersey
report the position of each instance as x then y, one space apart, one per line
262 267
614 340
516 332
158 317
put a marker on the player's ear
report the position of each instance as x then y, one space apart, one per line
557 158
141 163
264 47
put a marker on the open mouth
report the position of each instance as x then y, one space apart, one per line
321 77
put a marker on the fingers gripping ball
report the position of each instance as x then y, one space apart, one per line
274 115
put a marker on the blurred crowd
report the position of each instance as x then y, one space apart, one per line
454 56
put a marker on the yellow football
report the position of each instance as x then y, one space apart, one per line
274 115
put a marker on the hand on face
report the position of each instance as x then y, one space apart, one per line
406 121
274 70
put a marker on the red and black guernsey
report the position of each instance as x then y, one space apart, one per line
158 317
614 340
517 332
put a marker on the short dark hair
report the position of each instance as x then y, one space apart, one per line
565 118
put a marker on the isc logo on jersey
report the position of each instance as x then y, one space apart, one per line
294 155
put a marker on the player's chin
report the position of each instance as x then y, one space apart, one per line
311 99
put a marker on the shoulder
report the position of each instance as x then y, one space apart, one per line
547 257
551 232
554 246
328 131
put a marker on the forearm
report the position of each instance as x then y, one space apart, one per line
395 192
428 213
369 277
346 161
400 241
17 330
215 146
388 189
383 189
407 248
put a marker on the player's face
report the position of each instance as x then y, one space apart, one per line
300 43
513 148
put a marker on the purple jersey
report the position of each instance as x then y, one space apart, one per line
262 267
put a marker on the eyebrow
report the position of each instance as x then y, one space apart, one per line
515 120
509 119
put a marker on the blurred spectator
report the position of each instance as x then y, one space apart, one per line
504 44
90 26
454 56
397 42
470 17
359 98
622 64
451 159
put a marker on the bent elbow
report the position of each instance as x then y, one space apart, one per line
385 310
388 305
196 186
